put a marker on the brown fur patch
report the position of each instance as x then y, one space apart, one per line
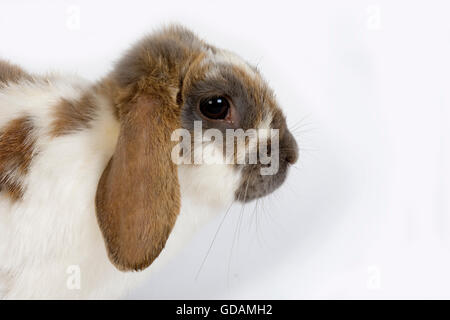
160 58
12 73
75 115
16 153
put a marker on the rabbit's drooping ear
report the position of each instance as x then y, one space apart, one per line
138 196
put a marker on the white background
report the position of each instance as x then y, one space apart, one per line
365 87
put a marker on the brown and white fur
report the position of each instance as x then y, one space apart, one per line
86 179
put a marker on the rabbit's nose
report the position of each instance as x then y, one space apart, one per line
290 148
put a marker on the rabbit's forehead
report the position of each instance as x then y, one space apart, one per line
221 57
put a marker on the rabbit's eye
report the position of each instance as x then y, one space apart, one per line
215 107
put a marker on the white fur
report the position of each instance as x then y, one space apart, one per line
223 56
53 231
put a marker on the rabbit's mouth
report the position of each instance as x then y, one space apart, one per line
255 184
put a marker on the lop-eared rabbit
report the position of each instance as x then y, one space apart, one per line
88 183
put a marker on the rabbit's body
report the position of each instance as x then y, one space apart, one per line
89 188
49 238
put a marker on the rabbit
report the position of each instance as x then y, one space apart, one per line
91 201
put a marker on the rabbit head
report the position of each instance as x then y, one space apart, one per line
172 80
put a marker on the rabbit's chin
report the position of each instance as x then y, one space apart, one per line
210 185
